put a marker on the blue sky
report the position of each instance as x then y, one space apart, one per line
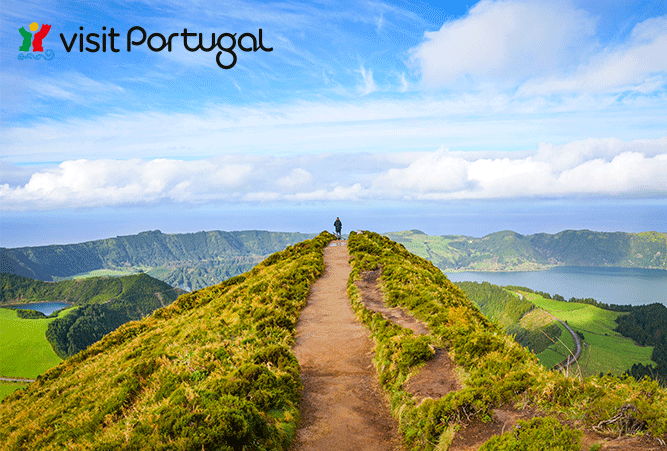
450 117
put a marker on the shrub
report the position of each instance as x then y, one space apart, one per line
538 434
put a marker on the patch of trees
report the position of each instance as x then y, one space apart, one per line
29 314
86 325
647 325
83 327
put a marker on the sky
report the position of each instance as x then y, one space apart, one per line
448 117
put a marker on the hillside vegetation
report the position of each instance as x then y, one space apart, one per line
495 370
531 329
212 371
189 260
506 250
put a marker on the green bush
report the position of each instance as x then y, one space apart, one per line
538 434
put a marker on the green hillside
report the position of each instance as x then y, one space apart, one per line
531 329
189 261
22 290
510 251
531 318
495 370
214 370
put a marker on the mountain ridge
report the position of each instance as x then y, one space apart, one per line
511 251
189 260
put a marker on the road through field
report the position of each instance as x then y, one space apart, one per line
343 406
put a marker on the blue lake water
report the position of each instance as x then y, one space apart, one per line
611 285
45 307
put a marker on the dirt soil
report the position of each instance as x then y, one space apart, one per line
343 406
437 377
371 297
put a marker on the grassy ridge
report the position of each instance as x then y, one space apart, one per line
496 369
214 370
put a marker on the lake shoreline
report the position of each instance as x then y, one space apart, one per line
606 284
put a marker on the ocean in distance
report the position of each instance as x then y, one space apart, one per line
622 286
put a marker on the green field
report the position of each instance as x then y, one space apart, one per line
604 349
557 352
24 351
105 273
7 388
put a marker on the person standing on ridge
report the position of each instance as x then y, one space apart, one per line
338 225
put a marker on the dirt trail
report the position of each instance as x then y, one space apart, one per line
437 378
343 406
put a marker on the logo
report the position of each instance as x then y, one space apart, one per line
35 41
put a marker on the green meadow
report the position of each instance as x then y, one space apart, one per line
7 388
105 273
604 349
24 351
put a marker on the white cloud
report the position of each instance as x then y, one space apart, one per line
593 167
115 182
503 41
434 172
297 177
368 84
639 65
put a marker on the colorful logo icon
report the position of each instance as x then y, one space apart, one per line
35 41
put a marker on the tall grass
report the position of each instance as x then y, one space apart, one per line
496 370
213 371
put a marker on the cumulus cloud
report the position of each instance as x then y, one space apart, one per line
594 167
598 167
432 173
505 41
89 183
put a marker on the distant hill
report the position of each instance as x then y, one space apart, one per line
189 260
507 250
105 303
95 290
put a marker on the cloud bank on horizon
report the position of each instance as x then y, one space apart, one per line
368 101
